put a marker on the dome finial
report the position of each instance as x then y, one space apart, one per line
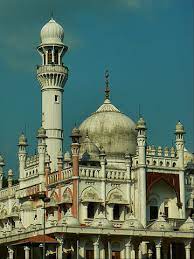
107 87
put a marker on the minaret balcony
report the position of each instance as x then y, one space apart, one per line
50 69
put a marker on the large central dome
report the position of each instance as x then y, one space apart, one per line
110 129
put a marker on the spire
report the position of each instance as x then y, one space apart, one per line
107 88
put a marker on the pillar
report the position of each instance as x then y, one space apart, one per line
179 133
188 250
128 250
109 250
60 246
141 146
102 253
96 250
27 252
75 146
150 253
158 249
165 251
10 252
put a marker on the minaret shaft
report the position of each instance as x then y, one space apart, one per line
52 75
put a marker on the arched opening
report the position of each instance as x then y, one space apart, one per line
162 200
116 212
91 210
56 56
49 56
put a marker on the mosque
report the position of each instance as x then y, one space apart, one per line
112 197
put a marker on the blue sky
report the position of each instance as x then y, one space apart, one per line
147 45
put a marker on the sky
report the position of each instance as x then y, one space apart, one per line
147 46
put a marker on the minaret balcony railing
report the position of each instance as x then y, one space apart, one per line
52 69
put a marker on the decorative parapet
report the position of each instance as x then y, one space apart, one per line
31 191
158 157
32 161
166 152
8 192
116 174
89 172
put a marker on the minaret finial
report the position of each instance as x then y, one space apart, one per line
107 89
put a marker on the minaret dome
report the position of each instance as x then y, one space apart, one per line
52 33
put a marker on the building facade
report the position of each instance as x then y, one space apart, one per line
111 197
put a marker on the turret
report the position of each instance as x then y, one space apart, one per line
141 145
179 133
52 75
2 164
75 147
141 141
41 136
10 178
22 154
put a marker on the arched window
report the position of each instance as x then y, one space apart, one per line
116 212
91 210
49 56
56 56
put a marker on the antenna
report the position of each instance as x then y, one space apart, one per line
139 110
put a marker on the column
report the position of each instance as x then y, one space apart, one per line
165 251
188 249
102 253
109 250
10 252
150 253
27 252
81 252
128 250
60 246
96 250
135 251
158 249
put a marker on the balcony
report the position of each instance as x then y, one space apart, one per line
52 69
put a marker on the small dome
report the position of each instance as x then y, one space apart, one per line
101 222
132 223
52 33
41 133
187 226
10 173
75 132
22 140
179 128
67 156
110 129
69 220
161 225
141 124
88 150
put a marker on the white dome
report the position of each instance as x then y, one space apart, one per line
52 33
69 220
132 223
187 226
110 129
101 222
161 225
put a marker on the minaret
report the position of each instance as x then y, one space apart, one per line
41 136
179 132
52 75
141 146
22 154
2 164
